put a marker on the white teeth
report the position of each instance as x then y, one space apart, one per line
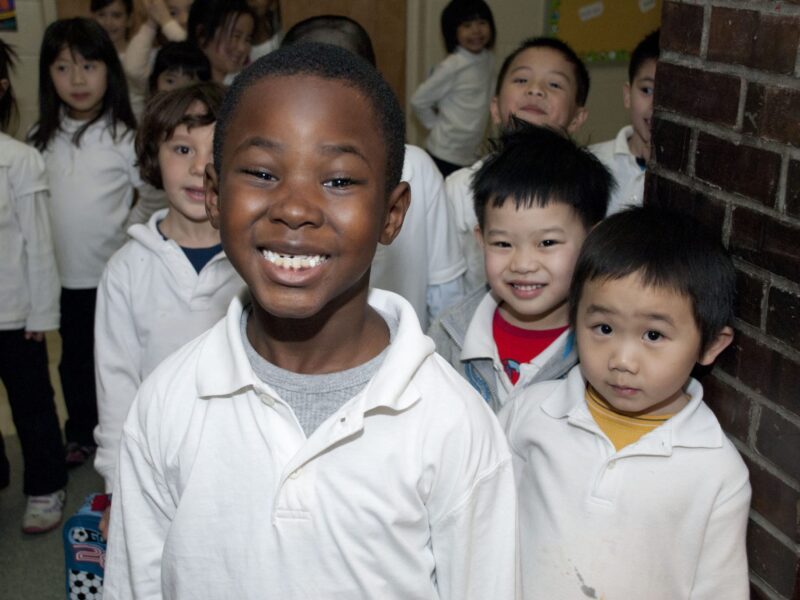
292 261
527 288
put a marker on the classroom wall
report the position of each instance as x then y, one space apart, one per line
726 142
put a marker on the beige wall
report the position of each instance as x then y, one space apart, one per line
515 20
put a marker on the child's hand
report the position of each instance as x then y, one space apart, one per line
36 336
157 11
104 522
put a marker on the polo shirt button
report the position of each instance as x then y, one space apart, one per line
267 399
611 464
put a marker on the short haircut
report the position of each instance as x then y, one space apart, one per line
96 5
536 166
581 73
327 62
458 12
181 57
164 113
647 49
333 29
667 249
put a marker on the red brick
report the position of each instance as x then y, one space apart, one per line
665 192
783 316
778 440
774 500
793 189
671 144
731 407
771 560
749 38
761 240
681 28
749 293
763 370
773 113
731 167
712 97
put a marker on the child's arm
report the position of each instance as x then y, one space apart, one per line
722 566
34 223
118 360
432 90
140 515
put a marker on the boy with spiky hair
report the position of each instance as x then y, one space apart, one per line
536 199
311 444
628 487
626 155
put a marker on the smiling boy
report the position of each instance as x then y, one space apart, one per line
627 485
536 199
310 445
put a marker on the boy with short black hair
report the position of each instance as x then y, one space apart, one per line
542 82
626 155
312 444
536 199
627 485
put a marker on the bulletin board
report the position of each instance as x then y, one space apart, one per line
603 31
8 15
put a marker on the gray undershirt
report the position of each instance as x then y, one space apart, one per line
314 398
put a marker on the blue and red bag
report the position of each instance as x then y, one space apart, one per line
85 550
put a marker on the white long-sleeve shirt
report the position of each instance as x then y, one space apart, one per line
663 518
405 492
616 156
150 302
29 286
425 255
453 103
91 192
458 189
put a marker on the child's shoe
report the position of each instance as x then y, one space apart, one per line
43 513
76 454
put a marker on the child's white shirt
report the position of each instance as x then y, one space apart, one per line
29 286
663 519
406 491
91 192
460 200
150 302
426 253
617 157
453 103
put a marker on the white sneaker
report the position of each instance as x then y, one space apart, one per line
43 513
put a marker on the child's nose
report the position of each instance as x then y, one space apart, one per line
294 206
524 261
623 357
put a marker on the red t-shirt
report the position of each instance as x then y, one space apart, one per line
517 346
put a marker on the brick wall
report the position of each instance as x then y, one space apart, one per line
726 138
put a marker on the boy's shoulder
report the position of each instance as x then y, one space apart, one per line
605 151
526 407
25 164
454 321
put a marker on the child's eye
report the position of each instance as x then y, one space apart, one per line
647 90
603 329
556 85
260 174
181 149
653 336
339 182
520 80
548 243
500 244
89 66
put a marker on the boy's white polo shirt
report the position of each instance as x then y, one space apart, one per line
616 156
405 492
663 518
479 343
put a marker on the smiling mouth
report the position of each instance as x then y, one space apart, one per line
527 287
294 262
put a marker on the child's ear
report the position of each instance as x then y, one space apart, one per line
717 345
211 187
581 114
478 235
396 208
4 83
494 111
626 95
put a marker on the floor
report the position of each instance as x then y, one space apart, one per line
32 566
